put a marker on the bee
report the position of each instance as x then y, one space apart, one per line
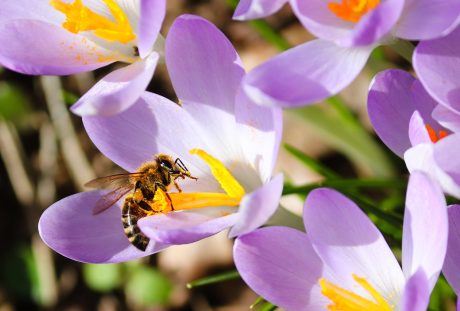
150 181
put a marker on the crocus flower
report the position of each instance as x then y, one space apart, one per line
225 141
451 268
400 111
348 31
343 261
437 64
57 37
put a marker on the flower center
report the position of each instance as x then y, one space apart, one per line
352 10
81 18
191 200
345 300
435 137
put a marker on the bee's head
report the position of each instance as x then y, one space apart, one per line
176 168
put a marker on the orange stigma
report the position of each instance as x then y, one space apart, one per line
435 137
352 10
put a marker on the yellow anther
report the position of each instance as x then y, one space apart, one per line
81 18
346 300
230 185
352 10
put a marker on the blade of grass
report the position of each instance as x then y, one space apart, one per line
217 278
313 164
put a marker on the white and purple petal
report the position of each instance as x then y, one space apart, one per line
305 74
437 64
425 228
118 90
427 19
416 295
252 9
257 207
351 244
151 18
55 51
70 228
279 264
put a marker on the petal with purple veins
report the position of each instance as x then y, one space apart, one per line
451 268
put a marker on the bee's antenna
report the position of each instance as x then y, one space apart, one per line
181 164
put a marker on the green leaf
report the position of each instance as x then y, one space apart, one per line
222 277
148 287
13 104
348 137
313 164
102 278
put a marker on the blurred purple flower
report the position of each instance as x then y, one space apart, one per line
214 116
348 31
42 37
451 268
437 64
401 112
343 258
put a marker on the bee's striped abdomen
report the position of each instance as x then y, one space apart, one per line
130 214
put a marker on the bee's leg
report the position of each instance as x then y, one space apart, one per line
177 185
162 187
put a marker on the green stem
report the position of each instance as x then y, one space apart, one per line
226 276
404 48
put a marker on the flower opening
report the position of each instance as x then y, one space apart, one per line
167 202
435 137
346 300
80 18
352 10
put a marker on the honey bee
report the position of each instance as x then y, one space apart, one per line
152 179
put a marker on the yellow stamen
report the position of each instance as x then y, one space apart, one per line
345 300
352 10
191 200
81 18
230 185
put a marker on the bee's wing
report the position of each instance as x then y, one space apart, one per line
111 198
112 181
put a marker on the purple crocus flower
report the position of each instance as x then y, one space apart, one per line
237 139
437 64
57 37
401 112
343 261
348 31
451 268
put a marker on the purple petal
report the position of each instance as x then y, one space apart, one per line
305 74
257 207
351 244
70 228
56 51
279 264
152 16
252 9
118 90
425 228
451 267
447 117
184 227
427 19
438 66
262 128
375 25
36 10
203 65
390 108
152 125
418 133
445 155
416 295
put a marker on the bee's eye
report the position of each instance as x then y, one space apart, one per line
166 164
